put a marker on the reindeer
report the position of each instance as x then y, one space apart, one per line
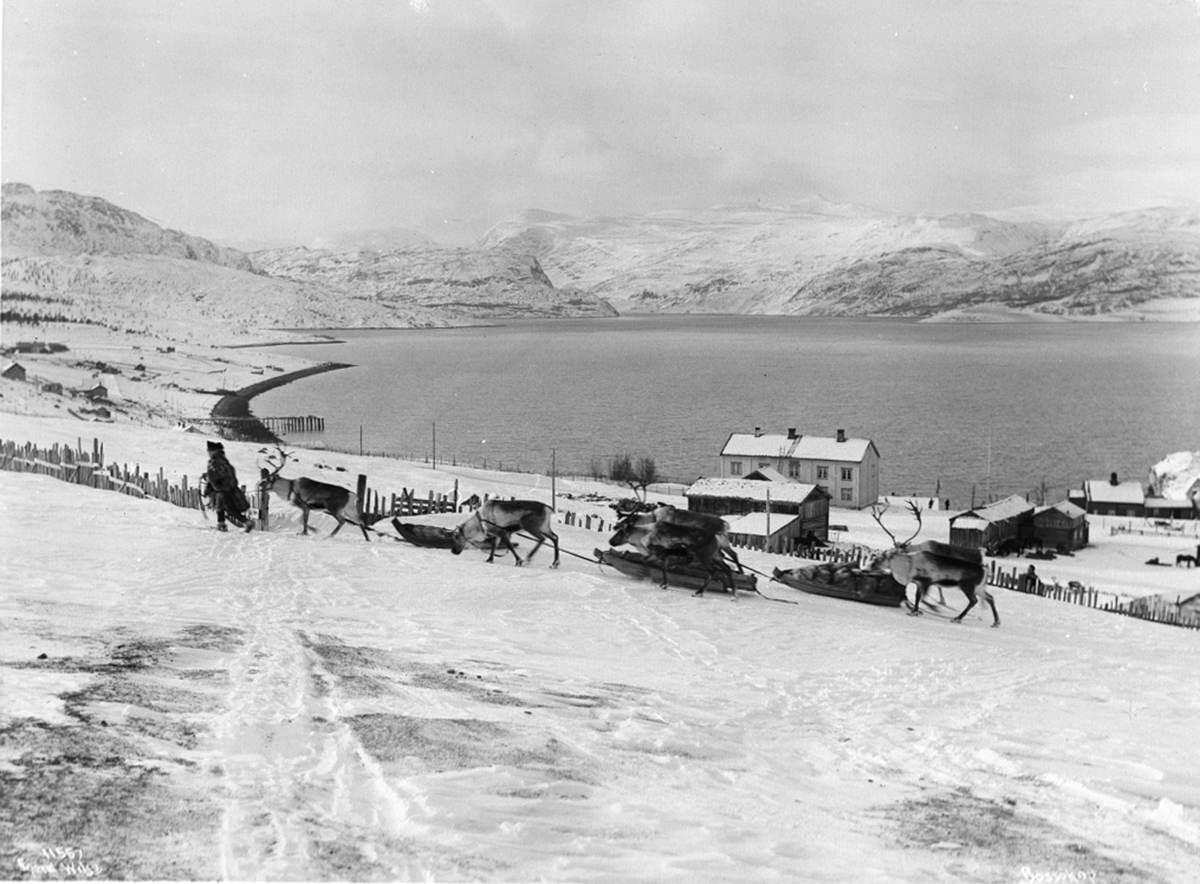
674 516
497 519
309 494
664 541
934 563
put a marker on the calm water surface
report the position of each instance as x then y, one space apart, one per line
1003 407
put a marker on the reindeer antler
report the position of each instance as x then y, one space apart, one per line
877 512
283 459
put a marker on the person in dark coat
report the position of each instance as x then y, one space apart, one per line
224 493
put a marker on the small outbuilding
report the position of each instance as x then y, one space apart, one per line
14 371
987 527
52 387
1063 526
800 508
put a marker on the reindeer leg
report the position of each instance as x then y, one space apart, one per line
337 527
492 554
916 604
554 537
508 542
704 586
541 538
969 592
304 520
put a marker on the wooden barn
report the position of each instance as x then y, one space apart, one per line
986 527
14 371
800 508
1061 526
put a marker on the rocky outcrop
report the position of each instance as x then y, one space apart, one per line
58 222
819 259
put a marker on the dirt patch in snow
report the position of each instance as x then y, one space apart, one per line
112 792
994 841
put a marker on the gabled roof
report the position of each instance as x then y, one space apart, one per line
749 489
1011 506
1067 508
1099 491
826 448
799 447
761 445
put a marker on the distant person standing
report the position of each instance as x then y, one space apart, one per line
224 493
1031 580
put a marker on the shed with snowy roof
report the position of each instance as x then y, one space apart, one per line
987 527
1063 526
806 504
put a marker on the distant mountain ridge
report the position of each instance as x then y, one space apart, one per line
84 259
58 222
819 259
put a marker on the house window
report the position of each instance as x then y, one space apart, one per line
822 474
793 468
847 474
764 464
847 495
735 468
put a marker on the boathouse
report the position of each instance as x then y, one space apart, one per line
844 467
1063 526
986 527
800 507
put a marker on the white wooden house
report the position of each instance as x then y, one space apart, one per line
844 467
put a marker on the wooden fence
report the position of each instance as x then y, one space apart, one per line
1153 607
86 466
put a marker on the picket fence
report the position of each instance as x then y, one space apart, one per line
82 465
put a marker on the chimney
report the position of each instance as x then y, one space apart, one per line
757 432
792 433
1112 480
841 436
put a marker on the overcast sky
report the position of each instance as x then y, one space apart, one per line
289 120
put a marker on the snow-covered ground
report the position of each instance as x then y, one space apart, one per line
180 703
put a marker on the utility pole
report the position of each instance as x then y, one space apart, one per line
553 478
435 445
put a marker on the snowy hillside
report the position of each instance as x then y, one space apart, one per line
817 259
180 703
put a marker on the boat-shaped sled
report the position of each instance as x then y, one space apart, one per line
845 582
689 576
424 535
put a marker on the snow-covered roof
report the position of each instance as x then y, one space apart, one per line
969 524
1007 508
825 448
749 489
761 445
756 523
1099 491
801 447
1065 507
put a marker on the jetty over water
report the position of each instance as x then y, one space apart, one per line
233 413
309 423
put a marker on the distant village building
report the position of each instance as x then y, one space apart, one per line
1114 498
1061 526
845 468
52 387
14 371
796 509
987 527
96 391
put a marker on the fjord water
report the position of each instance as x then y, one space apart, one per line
995 408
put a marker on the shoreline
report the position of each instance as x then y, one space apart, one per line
232 411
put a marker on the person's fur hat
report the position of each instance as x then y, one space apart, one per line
215 446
